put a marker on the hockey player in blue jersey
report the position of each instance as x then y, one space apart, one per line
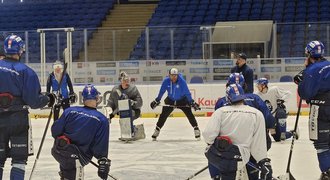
19 88
178 96
275 98
252 100
66 97
314 87
81 133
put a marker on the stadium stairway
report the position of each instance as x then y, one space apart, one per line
132 16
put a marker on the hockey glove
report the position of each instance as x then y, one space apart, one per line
298 78
280 104
52 99
104 167
73 98
154 104
194 105
266 169
111 116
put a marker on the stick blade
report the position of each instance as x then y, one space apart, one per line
287 176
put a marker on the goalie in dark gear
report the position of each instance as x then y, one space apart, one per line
127 91
65 97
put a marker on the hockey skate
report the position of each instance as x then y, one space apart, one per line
156 134
197 133
325 175
283 137
297 133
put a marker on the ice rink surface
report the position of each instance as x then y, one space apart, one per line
175 156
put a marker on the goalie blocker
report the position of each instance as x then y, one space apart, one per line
129 132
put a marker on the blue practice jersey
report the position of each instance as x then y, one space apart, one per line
66 82
87 128
21 82
175 91
255 101
316 79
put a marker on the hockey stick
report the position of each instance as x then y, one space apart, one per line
174 106
198 172
46 128
288 173
108 174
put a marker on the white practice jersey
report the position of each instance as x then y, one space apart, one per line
273 94
244 125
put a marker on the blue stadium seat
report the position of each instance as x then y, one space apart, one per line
286 78
196 80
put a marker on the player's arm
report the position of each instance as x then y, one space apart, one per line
101 140
269 118
212 128
309 86
249 80
137 99
31 93
258 145
57 128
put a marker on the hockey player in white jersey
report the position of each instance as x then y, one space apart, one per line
234 133
275 98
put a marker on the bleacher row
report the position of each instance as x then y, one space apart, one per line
171 16
207 12
58 14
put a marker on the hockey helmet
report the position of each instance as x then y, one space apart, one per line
315 49
123 76
236 78
90 92
263 81
173 71
14 44
234 93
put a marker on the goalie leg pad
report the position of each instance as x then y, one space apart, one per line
125 128
139 132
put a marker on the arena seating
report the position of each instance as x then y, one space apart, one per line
34 14
187 41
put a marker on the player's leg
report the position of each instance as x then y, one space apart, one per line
4 149
166 111
192 120
56 110
19 137
319 126
138 130
67 156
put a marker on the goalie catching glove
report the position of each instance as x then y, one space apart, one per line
104 167
195 105
154 104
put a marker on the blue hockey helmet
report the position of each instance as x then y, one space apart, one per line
234 93
14 44
263 81
236 78
315 49
90 92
